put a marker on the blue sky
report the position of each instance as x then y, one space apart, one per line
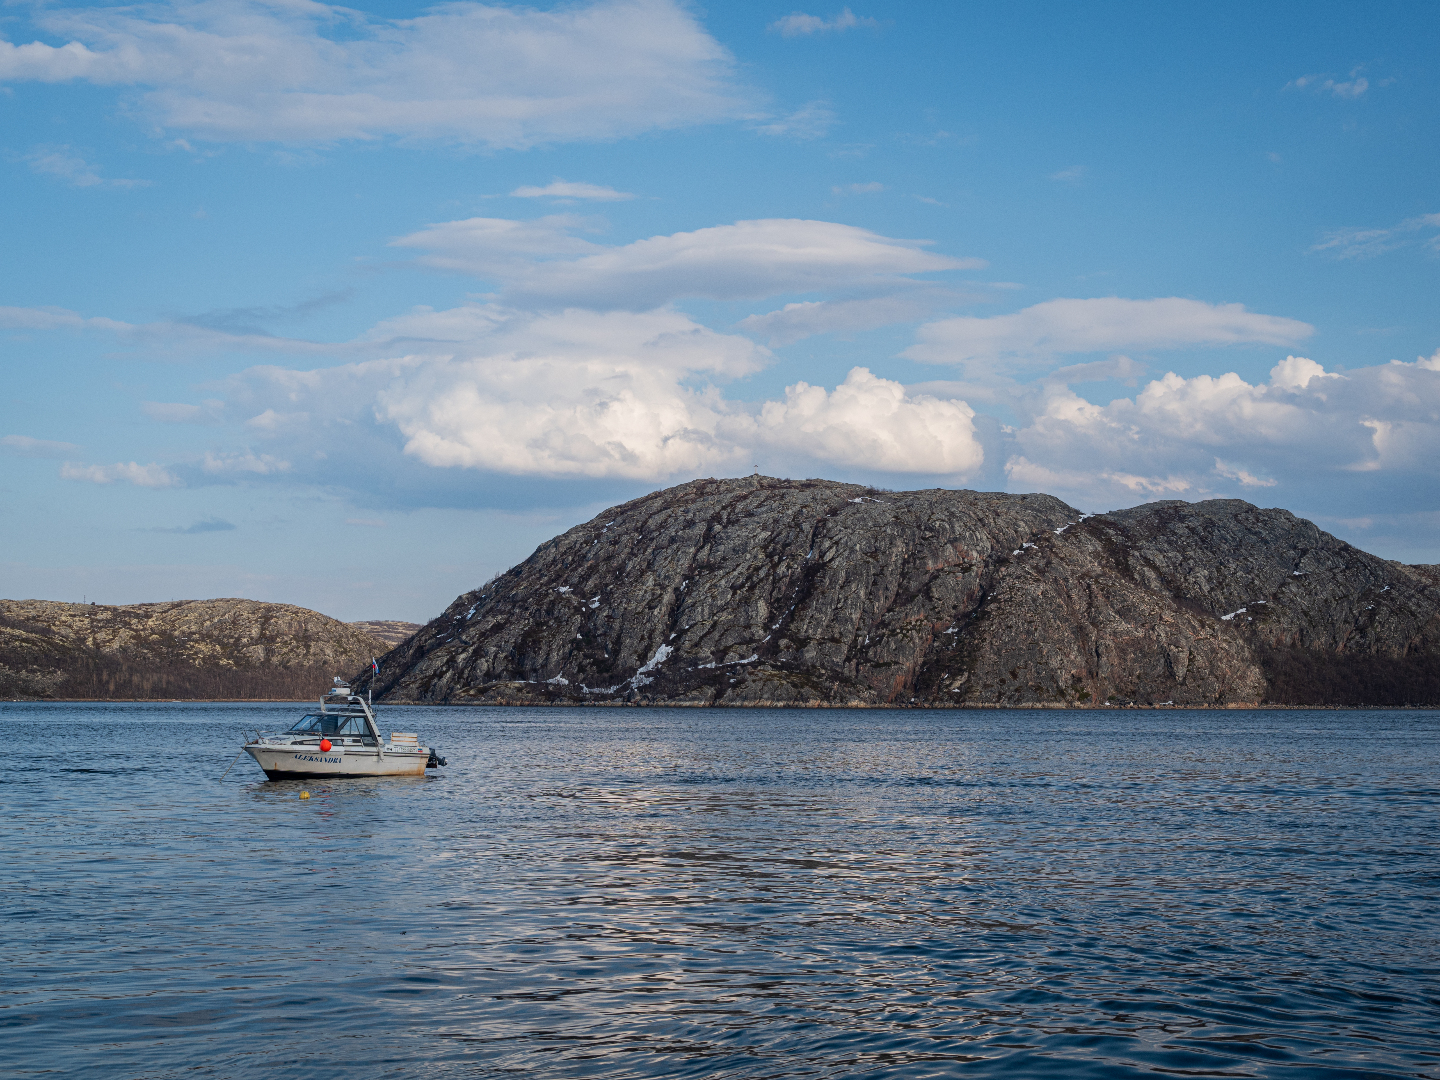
352 307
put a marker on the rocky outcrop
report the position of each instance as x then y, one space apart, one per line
764 591
390 632
182 649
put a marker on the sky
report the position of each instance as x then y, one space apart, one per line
352 307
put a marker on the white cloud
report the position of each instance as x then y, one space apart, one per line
153 476
568 189
798 24
173 412
874 424
577 393
1057 327
243 461
53 318
1208 435
299 71
63 163
593 394
810 121
1367 243
858 189
1350 89
498 247
749 259
796 321
1240 475
1073 175
25 446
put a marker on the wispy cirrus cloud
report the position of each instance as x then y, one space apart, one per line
130 472
307 72
544 264
1058 327
208 525
25 446
810 121
1348 89
1368 243
65 164
799 24
796 321
570 190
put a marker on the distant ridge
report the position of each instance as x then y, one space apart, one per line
763 591
390 632
186 649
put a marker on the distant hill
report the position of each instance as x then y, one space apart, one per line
389 631
764 591
186 649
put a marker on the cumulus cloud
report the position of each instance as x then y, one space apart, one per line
25 446
151 476
303 72
798 24
874 424
603 395
63 163
1215 435
749 259
1368 243
568 189
577 393
1057 327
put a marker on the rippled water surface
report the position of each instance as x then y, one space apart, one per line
746 893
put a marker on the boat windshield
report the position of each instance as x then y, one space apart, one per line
332 725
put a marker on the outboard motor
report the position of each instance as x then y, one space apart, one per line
435 760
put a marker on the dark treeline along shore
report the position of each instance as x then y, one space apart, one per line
187 649
759 591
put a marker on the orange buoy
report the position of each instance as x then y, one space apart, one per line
324 746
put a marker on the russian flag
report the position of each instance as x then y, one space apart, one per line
374 667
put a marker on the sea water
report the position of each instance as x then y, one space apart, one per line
726 893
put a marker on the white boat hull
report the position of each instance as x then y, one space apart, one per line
310 762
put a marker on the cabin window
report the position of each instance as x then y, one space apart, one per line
331 725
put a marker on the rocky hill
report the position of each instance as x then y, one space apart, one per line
182 649
757 590
390 632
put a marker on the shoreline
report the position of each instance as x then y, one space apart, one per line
956 706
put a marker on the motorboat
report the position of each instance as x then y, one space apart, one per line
342 739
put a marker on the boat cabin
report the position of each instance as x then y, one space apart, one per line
337 727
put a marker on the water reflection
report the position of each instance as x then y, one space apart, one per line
607 893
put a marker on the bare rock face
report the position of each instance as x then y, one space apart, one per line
390 632
764 591
181 649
